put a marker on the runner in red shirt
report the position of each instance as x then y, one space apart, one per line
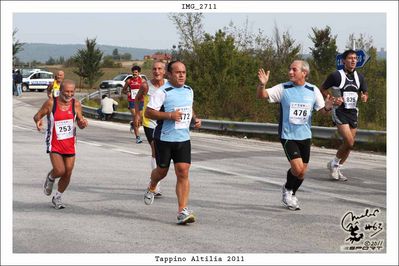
131 88
61 112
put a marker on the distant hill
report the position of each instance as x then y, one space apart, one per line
43 51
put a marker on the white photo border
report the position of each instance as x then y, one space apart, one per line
390 8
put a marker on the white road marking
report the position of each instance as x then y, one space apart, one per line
101 145
90 143
25 128
113 147
125 151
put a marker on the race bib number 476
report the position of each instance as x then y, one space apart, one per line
299 113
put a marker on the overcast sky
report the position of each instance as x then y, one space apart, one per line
157 31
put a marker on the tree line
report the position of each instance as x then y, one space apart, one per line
222 69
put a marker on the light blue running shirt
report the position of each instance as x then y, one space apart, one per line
296 106
169 99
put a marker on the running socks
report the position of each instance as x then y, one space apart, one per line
335 161
293 182
298 183
50 176
153 163
58 194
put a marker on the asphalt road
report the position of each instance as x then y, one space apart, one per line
235 192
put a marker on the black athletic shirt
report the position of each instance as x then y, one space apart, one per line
334 81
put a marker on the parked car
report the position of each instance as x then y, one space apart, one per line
118 82
36 80
27 71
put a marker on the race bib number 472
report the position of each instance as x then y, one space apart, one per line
185 118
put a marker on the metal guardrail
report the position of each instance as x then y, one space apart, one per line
272 129
368 136
92 112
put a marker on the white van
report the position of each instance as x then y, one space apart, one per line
37 80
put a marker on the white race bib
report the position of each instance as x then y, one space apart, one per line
350 99
299 113
56 93
133 94
64 129
185 118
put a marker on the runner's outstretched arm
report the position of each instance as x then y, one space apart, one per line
43 111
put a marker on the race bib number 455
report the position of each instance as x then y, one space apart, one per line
299 113
185 118
64 129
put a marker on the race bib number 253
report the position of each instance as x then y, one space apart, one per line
64 129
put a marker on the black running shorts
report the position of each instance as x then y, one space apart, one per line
297 149
345 116
179 152
149 133
62 154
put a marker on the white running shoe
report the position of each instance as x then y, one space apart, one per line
48 185
185 216
340 175
333 170
149 197
288 201
57 202
295 201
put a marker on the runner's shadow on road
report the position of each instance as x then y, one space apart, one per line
239 207
115 193
71 208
